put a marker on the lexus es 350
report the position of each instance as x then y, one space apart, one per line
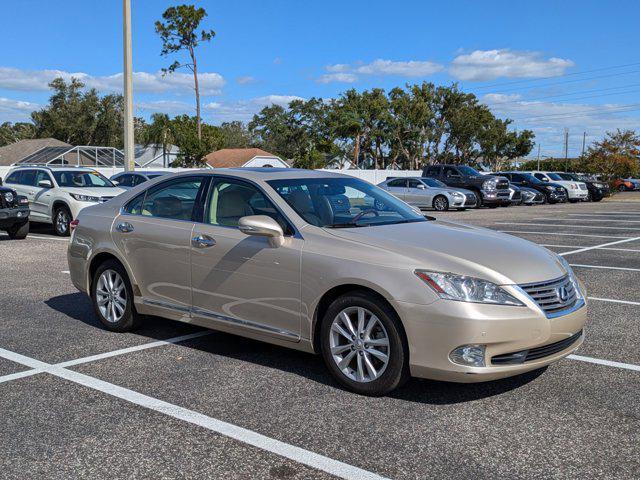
330 264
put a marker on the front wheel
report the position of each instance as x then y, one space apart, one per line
622 188
112 297
19 232
363 345
62 221
441 203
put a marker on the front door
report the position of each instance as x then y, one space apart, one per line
154 236
242 283
417 194
398 187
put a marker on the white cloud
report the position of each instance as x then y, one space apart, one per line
338 77
16 110
170 107
244 110
342 72
245 80
481 65
144 82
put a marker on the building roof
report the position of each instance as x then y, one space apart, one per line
14 152
235 157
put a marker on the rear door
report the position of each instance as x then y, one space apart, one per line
242 283
154 236
398 187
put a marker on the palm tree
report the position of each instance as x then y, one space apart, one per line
159 132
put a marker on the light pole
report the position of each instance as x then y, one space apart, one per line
128 88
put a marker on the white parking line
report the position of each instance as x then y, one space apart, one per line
608 363
595 227
608 220
563 234
246 436
611 300
606 268
602 214
101 356
66 271
586 249
48 238
599 248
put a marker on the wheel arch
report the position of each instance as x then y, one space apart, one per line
339 290
98 258
57 204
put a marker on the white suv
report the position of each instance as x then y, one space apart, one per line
57 194
576 191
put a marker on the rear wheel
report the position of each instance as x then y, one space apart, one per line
622 188
61 221
112 297
363 344
19 232
441 203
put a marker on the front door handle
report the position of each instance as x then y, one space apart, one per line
203 241
124 227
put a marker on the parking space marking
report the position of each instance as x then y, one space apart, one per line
612 300
66 271
602 214
244 435
586 220
564 234
566 226
608 363
598 248
48 238
101 356
604 267
595 247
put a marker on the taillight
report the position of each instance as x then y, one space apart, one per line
73 224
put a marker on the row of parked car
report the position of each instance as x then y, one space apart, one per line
55 195
444 187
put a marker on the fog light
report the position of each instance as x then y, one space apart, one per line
470 355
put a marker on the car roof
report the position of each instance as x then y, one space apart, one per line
269 173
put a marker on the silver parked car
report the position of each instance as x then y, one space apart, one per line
331 264
425 192
129 180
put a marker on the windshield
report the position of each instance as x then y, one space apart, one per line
567 176
68 178
554 176
531 178
468 171
343 202
432 182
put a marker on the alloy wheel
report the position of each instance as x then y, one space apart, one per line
111 296
441 204
359 344
62 222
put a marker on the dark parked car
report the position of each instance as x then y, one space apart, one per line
129 180
490 189
553 192
14 213
597 190
531 196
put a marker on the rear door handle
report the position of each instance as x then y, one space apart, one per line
203 241
124 227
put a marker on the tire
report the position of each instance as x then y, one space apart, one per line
573 200
61 221
19 232
126 317
596 199
622 188
390 375
441 203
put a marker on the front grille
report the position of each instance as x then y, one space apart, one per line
559 189
502 185
549 295
537 353
582 186
470 199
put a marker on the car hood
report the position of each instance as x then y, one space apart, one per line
462 249
96 192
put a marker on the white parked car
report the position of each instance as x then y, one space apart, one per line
57 194
425 192
576 191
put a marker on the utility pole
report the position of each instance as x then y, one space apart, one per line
538 156
566 149
584 141
128 87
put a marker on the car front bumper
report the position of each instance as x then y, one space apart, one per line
13 216
578 194
435 330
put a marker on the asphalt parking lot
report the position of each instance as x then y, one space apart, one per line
173 401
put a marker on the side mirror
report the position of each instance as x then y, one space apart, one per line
421 186
115 182
45 184
262 226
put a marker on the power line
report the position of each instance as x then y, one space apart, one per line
623 108
571 94
558 76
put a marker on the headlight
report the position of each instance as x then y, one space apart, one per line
9 197
84 198
23 200
549 187
466 289
457 194
573 186
490 184
572 276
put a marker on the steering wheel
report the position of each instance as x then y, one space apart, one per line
363 213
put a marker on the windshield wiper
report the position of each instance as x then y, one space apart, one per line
347 225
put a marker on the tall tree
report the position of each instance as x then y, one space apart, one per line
179 32
161 132
14 132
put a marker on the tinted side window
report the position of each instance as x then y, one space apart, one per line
451 172
28 177
516 177
414 183
540 176
398 182
124 180
15 177
175 200
432 171
41 175
137 180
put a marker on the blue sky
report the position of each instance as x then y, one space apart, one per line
273 51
